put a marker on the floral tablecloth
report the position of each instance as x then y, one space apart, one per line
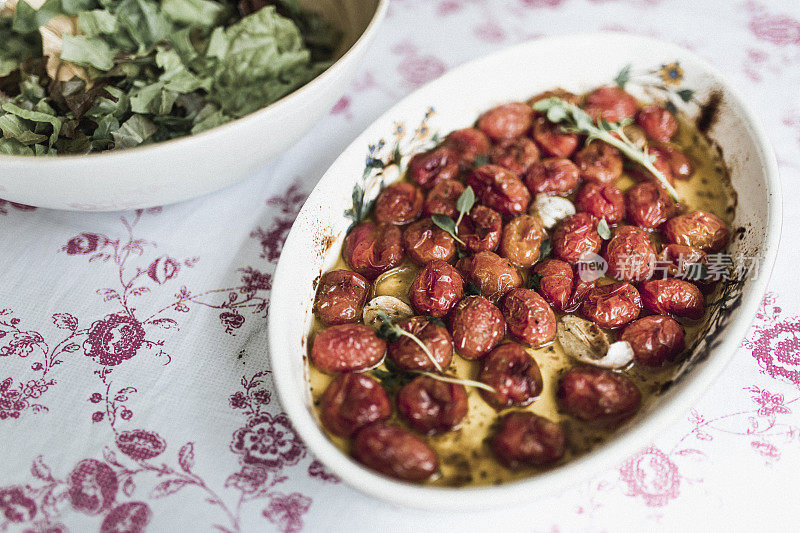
135 389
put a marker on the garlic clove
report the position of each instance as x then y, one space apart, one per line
395 308
551 209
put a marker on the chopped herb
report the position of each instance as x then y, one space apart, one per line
603 230
573 119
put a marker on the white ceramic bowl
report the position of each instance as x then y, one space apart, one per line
576 63
187 167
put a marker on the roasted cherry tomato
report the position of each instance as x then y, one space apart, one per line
442 198
563 94
522 239
500 189
351 402
658 123
575 236
526 439
437 288
371 249
648 205
656 340
428 168
552 141
399 203
555 282
395 452
599 162
424 241
629 255
514 375
517 155
601 201
409 355
480 230
506 121
347 348
341 295
673 296
530 320
493 275
612 306
683 261
477 325
699 229
468 143
611 104
679 164
554 175
598 396
431 406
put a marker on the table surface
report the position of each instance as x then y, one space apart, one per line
134 379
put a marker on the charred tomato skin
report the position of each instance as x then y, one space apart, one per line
656 340
340 298
442 198
431 406
347 348
526 439
597 395
351 402
481 229
477 326
395 452
517 155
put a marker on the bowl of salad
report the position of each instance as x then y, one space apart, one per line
121 104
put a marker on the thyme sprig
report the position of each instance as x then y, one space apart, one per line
573 119
464 205
391 332
394 377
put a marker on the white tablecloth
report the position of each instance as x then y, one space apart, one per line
134 379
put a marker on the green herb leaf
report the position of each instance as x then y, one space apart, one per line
685 94
470 289
194 13
96 22
545 248
88 52
465 201
435 320
445 222
480 160
28 20
603 230
134 132
623 76
35 116
535 281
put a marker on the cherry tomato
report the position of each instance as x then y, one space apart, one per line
500 189
648 205
563 94
552 140
682 261
679 164
522 239
554 175
599 162
530 320
347 348
575 236
480 230
611 104
431 406
409 355
437 288
673 296
477 325
493 275
699 229
506 121
424 241
442 198
399 203
372 249
612 306
658 123
514 375
468 143
395 452
428 168
341 295
351 402
555 282
517 155
526 439
629 255
601 201
597 395
656 340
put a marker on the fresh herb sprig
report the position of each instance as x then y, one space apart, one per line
391 332
464 205
394 377
573 119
